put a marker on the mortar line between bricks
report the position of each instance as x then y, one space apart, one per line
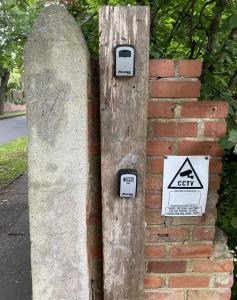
174 78
171 260
161 173
176 68
161 157
185 120
189 288
185 294
182 243
175 100
193 274
181 139
183 225
166 289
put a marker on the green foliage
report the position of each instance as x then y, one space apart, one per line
16 20
14 81
17 101
227 208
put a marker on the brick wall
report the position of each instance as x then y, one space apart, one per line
94 193
186 257
9 107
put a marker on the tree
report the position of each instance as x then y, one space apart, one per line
16 19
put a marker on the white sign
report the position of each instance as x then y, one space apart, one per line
185 185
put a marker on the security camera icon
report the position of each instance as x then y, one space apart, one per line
187 173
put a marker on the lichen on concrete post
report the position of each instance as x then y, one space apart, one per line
55 84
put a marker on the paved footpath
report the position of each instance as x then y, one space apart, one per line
15 274
12 128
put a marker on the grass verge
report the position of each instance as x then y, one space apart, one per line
13 160
12 114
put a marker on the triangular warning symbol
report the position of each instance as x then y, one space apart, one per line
186 178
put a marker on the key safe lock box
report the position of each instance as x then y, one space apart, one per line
127 183
124 61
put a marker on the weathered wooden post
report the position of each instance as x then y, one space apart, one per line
123 138
56 62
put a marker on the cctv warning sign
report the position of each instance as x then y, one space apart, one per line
185 185
186 177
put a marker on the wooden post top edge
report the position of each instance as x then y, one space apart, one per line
133 7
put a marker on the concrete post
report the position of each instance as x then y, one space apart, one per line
56 73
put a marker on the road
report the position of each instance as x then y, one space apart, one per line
12 128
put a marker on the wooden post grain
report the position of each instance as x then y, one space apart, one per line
123 144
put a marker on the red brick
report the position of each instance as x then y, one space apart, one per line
153 199
223 280
154 251
94 129
94 78
90 130
202 233
199 148
154 182
93 109
94 218
94 147
175 129
175 88
188 281
160 148
153 217
96 236
89 88
204 109
215 166
215 129
161 109
217 265
166 266
224 295
191 251
168 234
161 68
169 295
157 165
214 182
208 295
99 295
96 251
153 282
189 68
